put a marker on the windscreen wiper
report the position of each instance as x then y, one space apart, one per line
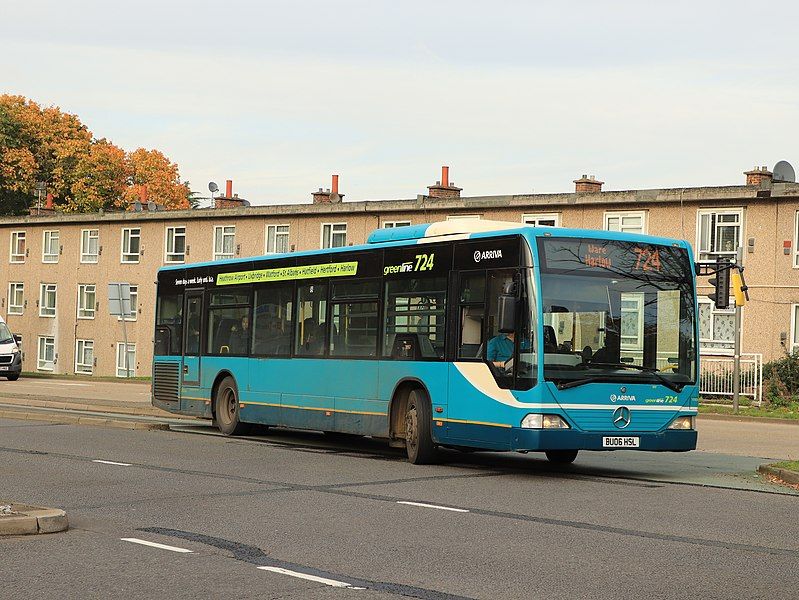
656 372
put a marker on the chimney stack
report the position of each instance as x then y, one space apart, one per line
229 200
587 184
330 196
759 176
444 188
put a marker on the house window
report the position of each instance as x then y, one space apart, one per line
50 248
719 233
84 357
123 369
716 327
392 224
16 298
47 356
89 245
277 239
134 304
542 220
626 221
632 321
131 245
796 240
175 245
463 218
47 298
224 241
794 328
18 246
334 235
87 298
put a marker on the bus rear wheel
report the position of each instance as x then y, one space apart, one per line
561 457
418 436
226 408
13 377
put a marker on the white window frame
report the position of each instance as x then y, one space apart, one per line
85 311
793 344
535 219
393 224
126 256
16 309
464 217
44 290
326 241
278 233
637 344
715 350
15 255
81 366
134 305
171 257
49 255
120 353
42 364
796 240
621 215
86 237
710 253
219 253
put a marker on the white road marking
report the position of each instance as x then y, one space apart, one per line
111 462
330 582
156 545
422 504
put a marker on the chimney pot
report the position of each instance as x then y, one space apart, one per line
445 176
335 184
229 188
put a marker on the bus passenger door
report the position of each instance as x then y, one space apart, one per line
190 370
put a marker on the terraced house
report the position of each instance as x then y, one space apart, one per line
56 267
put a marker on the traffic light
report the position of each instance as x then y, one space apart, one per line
739 289
721 283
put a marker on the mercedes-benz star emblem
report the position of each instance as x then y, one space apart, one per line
621 417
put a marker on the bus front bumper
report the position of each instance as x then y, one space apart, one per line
559 439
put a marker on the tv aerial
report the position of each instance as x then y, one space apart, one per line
783 172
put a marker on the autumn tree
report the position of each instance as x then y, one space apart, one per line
81 172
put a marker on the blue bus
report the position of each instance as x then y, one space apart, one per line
464 334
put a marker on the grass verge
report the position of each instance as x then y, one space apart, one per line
768 412
790 465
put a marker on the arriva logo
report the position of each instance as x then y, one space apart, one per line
622 398
486 255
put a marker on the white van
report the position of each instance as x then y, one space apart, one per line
10 353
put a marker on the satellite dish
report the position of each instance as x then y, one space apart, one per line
151 206
212 187
335 197
783 171
137 206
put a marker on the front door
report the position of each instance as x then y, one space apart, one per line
190 389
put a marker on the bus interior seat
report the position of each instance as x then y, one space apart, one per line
550 339
221 339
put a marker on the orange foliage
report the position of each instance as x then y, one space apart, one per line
82 173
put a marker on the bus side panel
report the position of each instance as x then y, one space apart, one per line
262 400
433 375
357 406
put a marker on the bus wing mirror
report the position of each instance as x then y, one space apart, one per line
507 314
18 339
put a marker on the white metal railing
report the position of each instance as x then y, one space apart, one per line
716 376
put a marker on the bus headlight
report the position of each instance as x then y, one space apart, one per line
683 423
538 421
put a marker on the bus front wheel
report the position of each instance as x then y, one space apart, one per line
418 422
226 408
561 457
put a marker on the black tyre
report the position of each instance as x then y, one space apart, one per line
13 377
561 457
226 409
418 423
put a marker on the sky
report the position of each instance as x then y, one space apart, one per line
515 96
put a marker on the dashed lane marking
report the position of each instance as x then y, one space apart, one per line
423 505
324 580
157 545
111 462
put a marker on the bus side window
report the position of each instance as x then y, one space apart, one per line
418 307
169 325
311 315
273 317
